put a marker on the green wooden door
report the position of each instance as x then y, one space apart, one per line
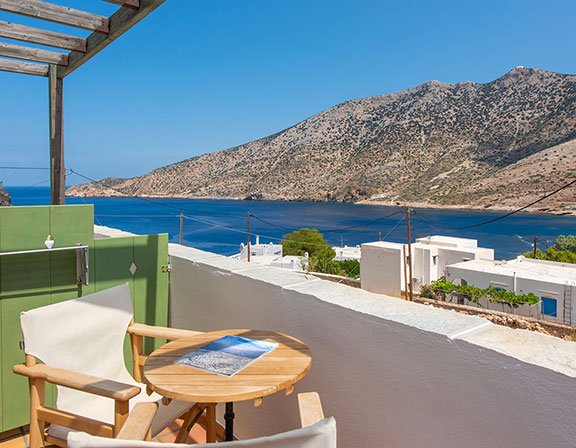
29 281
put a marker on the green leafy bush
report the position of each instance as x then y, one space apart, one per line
564 251
343 268
442 288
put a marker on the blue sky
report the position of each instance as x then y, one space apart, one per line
201 76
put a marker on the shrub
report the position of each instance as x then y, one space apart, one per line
440 289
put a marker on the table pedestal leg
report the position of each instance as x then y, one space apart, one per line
191 417
211 423
229 419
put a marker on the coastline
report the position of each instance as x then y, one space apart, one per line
422 205
502 208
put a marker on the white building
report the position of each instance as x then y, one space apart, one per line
554 283
382 263
347 253
260 250
270 255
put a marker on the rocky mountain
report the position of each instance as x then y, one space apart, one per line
4 197
465 144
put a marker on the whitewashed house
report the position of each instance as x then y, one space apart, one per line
382 262
554 283
271 255
347 253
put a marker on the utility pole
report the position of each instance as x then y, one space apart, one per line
405 273
181 226
379 236
248 215
409 253
535 246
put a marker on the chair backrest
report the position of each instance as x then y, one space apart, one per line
320 435
85 335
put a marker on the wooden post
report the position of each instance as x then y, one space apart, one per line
181 226
379 236
409 254
248 215
535 247
57 169
37 391
405 272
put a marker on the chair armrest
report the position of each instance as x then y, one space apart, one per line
160 332
74 380
139 422
310 408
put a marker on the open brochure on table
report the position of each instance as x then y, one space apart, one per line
227 356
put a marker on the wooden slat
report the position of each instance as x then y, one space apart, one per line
120 22
78 381
56 13
32 54
134 4
139 422
160 332
310 408
76 422
42 37
26 68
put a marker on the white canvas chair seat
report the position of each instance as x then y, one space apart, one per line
86 335
319 435
102 409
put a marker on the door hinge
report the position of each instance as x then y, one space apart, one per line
167 268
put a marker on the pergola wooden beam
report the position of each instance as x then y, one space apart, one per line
56 13
134 4
33 54
26 68
104 31
42 37
57 169
120 22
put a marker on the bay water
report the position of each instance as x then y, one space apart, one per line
220 226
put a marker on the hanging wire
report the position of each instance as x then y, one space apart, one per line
175 207
338 229
22 168
431 222
394 228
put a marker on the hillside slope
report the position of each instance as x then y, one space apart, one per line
436 144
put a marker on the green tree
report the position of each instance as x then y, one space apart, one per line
561 256
566 243
564 251
309 241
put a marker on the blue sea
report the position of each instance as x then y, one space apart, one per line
220 225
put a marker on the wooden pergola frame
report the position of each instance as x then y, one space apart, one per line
56 65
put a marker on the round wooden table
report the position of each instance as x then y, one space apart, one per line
276 371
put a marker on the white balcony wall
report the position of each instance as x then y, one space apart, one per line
393 373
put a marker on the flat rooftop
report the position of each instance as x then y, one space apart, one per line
523 267
441 240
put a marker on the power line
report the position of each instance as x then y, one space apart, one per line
30 186
22 168
431 222
338 229
198 212
394 228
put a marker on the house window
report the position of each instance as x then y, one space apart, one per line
549 307
434 260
